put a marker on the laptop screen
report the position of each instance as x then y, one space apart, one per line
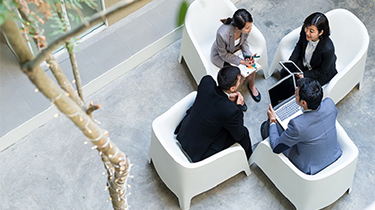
282 90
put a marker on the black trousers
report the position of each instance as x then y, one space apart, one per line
245 143
265 129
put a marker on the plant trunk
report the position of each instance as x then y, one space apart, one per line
118 164
73 61
64 82
69 45
51 61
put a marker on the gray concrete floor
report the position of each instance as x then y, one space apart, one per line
51 168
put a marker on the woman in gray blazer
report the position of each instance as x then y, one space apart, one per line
231 37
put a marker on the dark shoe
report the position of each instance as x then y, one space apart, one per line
244 107
256 98
264 129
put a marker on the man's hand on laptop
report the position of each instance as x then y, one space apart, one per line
271 113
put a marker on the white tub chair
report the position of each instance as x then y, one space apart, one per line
309 191
201 23
183 178
350 48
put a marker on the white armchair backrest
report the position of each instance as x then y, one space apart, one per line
309 191
349 153
164 131
165 124
349 36
203 18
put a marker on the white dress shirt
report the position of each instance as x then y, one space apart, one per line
310 48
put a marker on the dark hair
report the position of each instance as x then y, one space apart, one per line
239 19
227 77
320 21
311 91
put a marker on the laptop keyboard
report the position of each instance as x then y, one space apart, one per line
288 109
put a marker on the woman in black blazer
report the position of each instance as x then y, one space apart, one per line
314 52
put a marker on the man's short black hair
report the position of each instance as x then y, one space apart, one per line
227 77
311 91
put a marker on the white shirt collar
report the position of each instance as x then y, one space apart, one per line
307 110
226 93
314 43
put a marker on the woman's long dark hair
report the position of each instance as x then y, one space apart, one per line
239 19
320 21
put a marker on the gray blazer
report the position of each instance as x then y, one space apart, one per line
223 47
310 141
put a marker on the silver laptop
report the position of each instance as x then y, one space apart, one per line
283 101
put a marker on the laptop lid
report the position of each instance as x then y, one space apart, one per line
282 98
282 90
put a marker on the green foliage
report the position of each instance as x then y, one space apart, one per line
77 4
70 46
58 25
74 17
182 13
42 14
6 10
4 13
92 4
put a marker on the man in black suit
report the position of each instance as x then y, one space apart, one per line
215 121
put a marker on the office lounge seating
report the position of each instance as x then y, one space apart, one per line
309 191
351 40
201 23
183 178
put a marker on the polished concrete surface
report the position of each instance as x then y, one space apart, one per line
52 168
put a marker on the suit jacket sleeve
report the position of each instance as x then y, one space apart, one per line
234 124
245 45
287 139
222 40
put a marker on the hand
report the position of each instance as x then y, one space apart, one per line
233 96
300 76
271 113
240 99
248 61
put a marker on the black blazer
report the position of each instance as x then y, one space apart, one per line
211 120
323 60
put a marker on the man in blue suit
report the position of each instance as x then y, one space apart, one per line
215 121
310 141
